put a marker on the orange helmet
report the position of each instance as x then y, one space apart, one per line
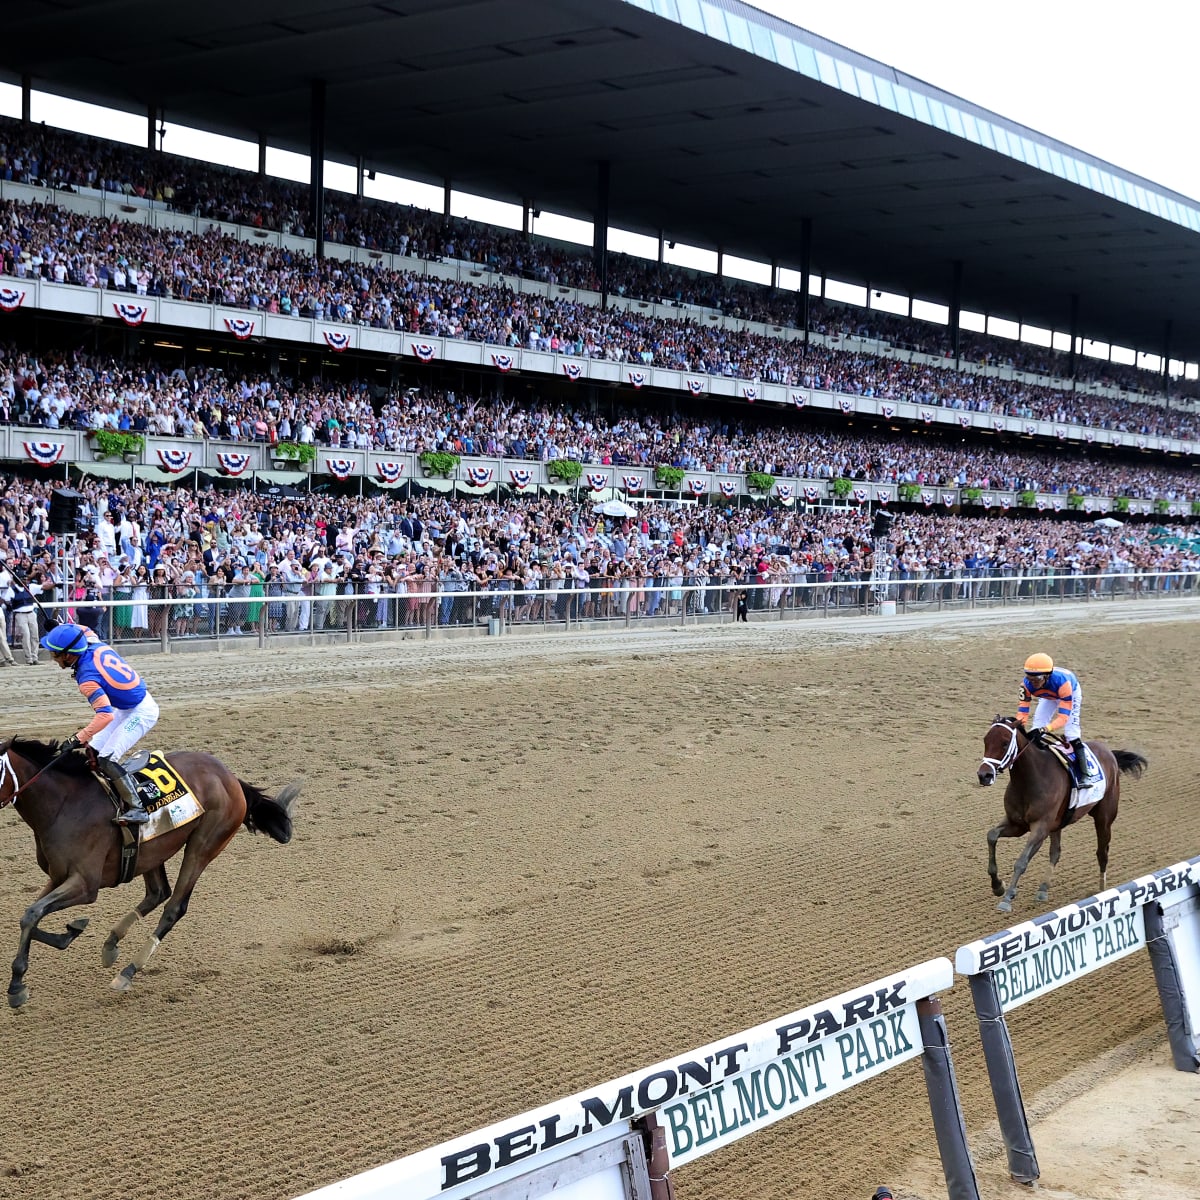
1039 664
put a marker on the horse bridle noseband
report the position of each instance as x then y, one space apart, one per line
1010 755
7 769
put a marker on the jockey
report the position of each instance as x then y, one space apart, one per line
124 710
1059 700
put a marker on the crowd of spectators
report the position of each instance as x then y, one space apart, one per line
244 549
88 392
214 267
217 269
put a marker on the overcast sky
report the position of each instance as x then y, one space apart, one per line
1116 80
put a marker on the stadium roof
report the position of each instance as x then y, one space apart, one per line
723 126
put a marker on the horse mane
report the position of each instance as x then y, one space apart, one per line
41 753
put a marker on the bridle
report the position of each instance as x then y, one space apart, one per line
1010 755
7 769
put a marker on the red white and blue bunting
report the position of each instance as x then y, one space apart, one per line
964 419
1030 428
751 393
695 386
573 371
240 327
1060 433
1056 503
232 463
389 472
479 476
335 340
339 468
927 498
697 486
1040 504
1141 443
887 411
948 499
632 483
1000 424
132 314
1186 447
728 488
847 406
45 454
637 378
986 499
597 481
799 399
424 351
860 494
1089 436
1004 504
784 490
882 496
11 298
521 477
503 363
812 493
174 461
927 416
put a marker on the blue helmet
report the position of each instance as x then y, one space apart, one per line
66 639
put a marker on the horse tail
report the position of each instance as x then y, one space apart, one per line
268 814
1129 763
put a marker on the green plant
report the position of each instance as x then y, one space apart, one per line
1121 504
909 491
302 452
668 478
1161 505
1028 497
565 469
1196 508
438 462
759 481
974 495
1074 500
112 444
841 488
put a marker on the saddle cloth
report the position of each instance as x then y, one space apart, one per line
164 793
1093 789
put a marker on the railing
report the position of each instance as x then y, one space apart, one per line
647 602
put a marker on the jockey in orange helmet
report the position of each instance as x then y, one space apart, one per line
1059 698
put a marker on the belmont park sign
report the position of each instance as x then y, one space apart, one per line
704 1099
1043 954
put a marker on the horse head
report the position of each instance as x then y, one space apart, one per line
1002 743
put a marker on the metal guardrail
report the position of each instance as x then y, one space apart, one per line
654 601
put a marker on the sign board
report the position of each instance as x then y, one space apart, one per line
1040 955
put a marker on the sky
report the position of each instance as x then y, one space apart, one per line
1121 90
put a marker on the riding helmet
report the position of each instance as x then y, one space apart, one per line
1039 664
66 639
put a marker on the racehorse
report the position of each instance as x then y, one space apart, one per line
78 846
1036 799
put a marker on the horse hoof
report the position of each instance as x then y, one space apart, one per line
1043 893
1005 906
17 996
997 888
123 982
109 952
76 927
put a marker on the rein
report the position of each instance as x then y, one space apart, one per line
7 769
1010 756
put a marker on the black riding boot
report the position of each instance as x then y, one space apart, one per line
1080 761
134 813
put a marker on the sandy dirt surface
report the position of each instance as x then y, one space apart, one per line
529 864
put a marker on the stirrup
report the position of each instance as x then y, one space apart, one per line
131 816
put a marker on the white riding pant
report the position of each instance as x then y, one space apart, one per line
1046 710
126 729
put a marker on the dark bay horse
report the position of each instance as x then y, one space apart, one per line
78 846
1036 798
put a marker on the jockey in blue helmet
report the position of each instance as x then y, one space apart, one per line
123 709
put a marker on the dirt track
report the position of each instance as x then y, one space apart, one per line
526 865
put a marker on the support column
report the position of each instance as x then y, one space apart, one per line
360 168
526 205
805 274
446 190
262 154
316 161
662 247
774 274
1074 337
720 263
956 309
1166 357
600 227
150 129
26 98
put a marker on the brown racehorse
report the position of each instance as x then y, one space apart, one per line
78 846
1035 801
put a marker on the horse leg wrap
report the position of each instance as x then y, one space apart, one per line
143 956
126 923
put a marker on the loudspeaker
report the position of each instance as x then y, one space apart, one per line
883 524
65 505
